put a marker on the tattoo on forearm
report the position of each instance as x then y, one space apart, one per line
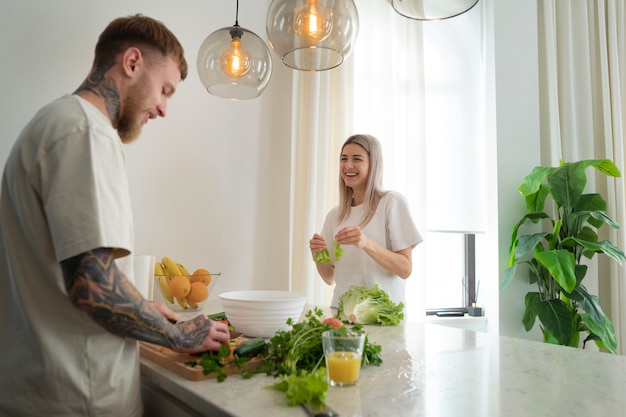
96 286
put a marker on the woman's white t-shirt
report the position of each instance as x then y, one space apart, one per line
392 227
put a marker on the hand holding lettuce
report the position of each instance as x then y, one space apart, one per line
360 305
324 255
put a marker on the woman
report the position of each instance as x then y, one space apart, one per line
373 226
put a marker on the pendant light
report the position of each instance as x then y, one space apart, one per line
312 35
432 9
234 63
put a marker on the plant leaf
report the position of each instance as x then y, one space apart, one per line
606 247
532 182
556 316
591 202
560 263
528 243
530 314
535 202
509 274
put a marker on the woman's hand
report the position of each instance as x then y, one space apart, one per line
352 235
317 244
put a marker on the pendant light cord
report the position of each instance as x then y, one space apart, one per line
237 14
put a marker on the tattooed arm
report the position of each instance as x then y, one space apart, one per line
96 286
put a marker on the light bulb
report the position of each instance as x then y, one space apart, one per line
313 22
235 60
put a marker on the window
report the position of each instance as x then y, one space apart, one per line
434 146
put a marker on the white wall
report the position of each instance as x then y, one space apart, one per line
210 181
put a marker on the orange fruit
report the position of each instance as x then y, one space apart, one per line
180 286
199 292
201 275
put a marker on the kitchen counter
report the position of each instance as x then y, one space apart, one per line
428 370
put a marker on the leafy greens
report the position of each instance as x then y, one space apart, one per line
300 349
324 254
361 305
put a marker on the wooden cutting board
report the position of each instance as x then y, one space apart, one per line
175 361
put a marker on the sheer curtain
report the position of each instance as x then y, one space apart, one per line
583 100
327 109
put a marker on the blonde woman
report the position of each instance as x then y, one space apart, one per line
373 226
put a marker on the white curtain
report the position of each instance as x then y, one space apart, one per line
328 108
582 46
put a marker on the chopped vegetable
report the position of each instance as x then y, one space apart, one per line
360 305
213 362
303 387
324 254
333 322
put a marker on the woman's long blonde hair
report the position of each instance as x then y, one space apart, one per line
374 188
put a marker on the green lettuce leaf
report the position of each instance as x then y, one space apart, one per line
360 305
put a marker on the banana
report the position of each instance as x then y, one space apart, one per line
183 303
182 269
158 269
192 304
170 266
164 283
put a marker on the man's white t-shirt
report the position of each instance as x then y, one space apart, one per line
64 192
391 227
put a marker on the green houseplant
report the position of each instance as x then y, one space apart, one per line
555 257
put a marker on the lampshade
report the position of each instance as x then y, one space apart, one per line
312 35
432 9
234 63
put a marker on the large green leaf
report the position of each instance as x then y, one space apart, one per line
535 202
596 322
533 217
509 274
591 202
567 183
605 333
533 181
560 263
556 316
602 217
528 320
607 167
528 243
605 247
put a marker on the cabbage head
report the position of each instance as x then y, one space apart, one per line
360 305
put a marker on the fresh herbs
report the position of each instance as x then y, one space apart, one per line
303 387
300 348
324 254
295 357
213 362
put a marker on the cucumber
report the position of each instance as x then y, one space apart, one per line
250 348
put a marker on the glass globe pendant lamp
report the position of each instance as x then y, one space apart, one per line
234 63
312 35
432 9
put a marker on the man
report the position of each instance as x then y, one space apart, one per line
70 317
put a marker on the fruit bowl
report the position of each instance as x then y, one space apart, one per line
261 313
183 293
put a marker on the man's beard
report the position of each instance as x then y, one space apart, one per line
132 113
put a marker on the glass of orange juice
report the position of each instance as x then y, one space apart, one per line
343 351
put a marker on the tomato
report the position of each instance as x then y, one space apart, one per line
333 322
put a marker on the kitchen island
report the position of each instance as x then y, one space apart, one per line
428 370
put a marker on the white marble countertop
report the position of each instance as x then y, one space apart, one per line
436 371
